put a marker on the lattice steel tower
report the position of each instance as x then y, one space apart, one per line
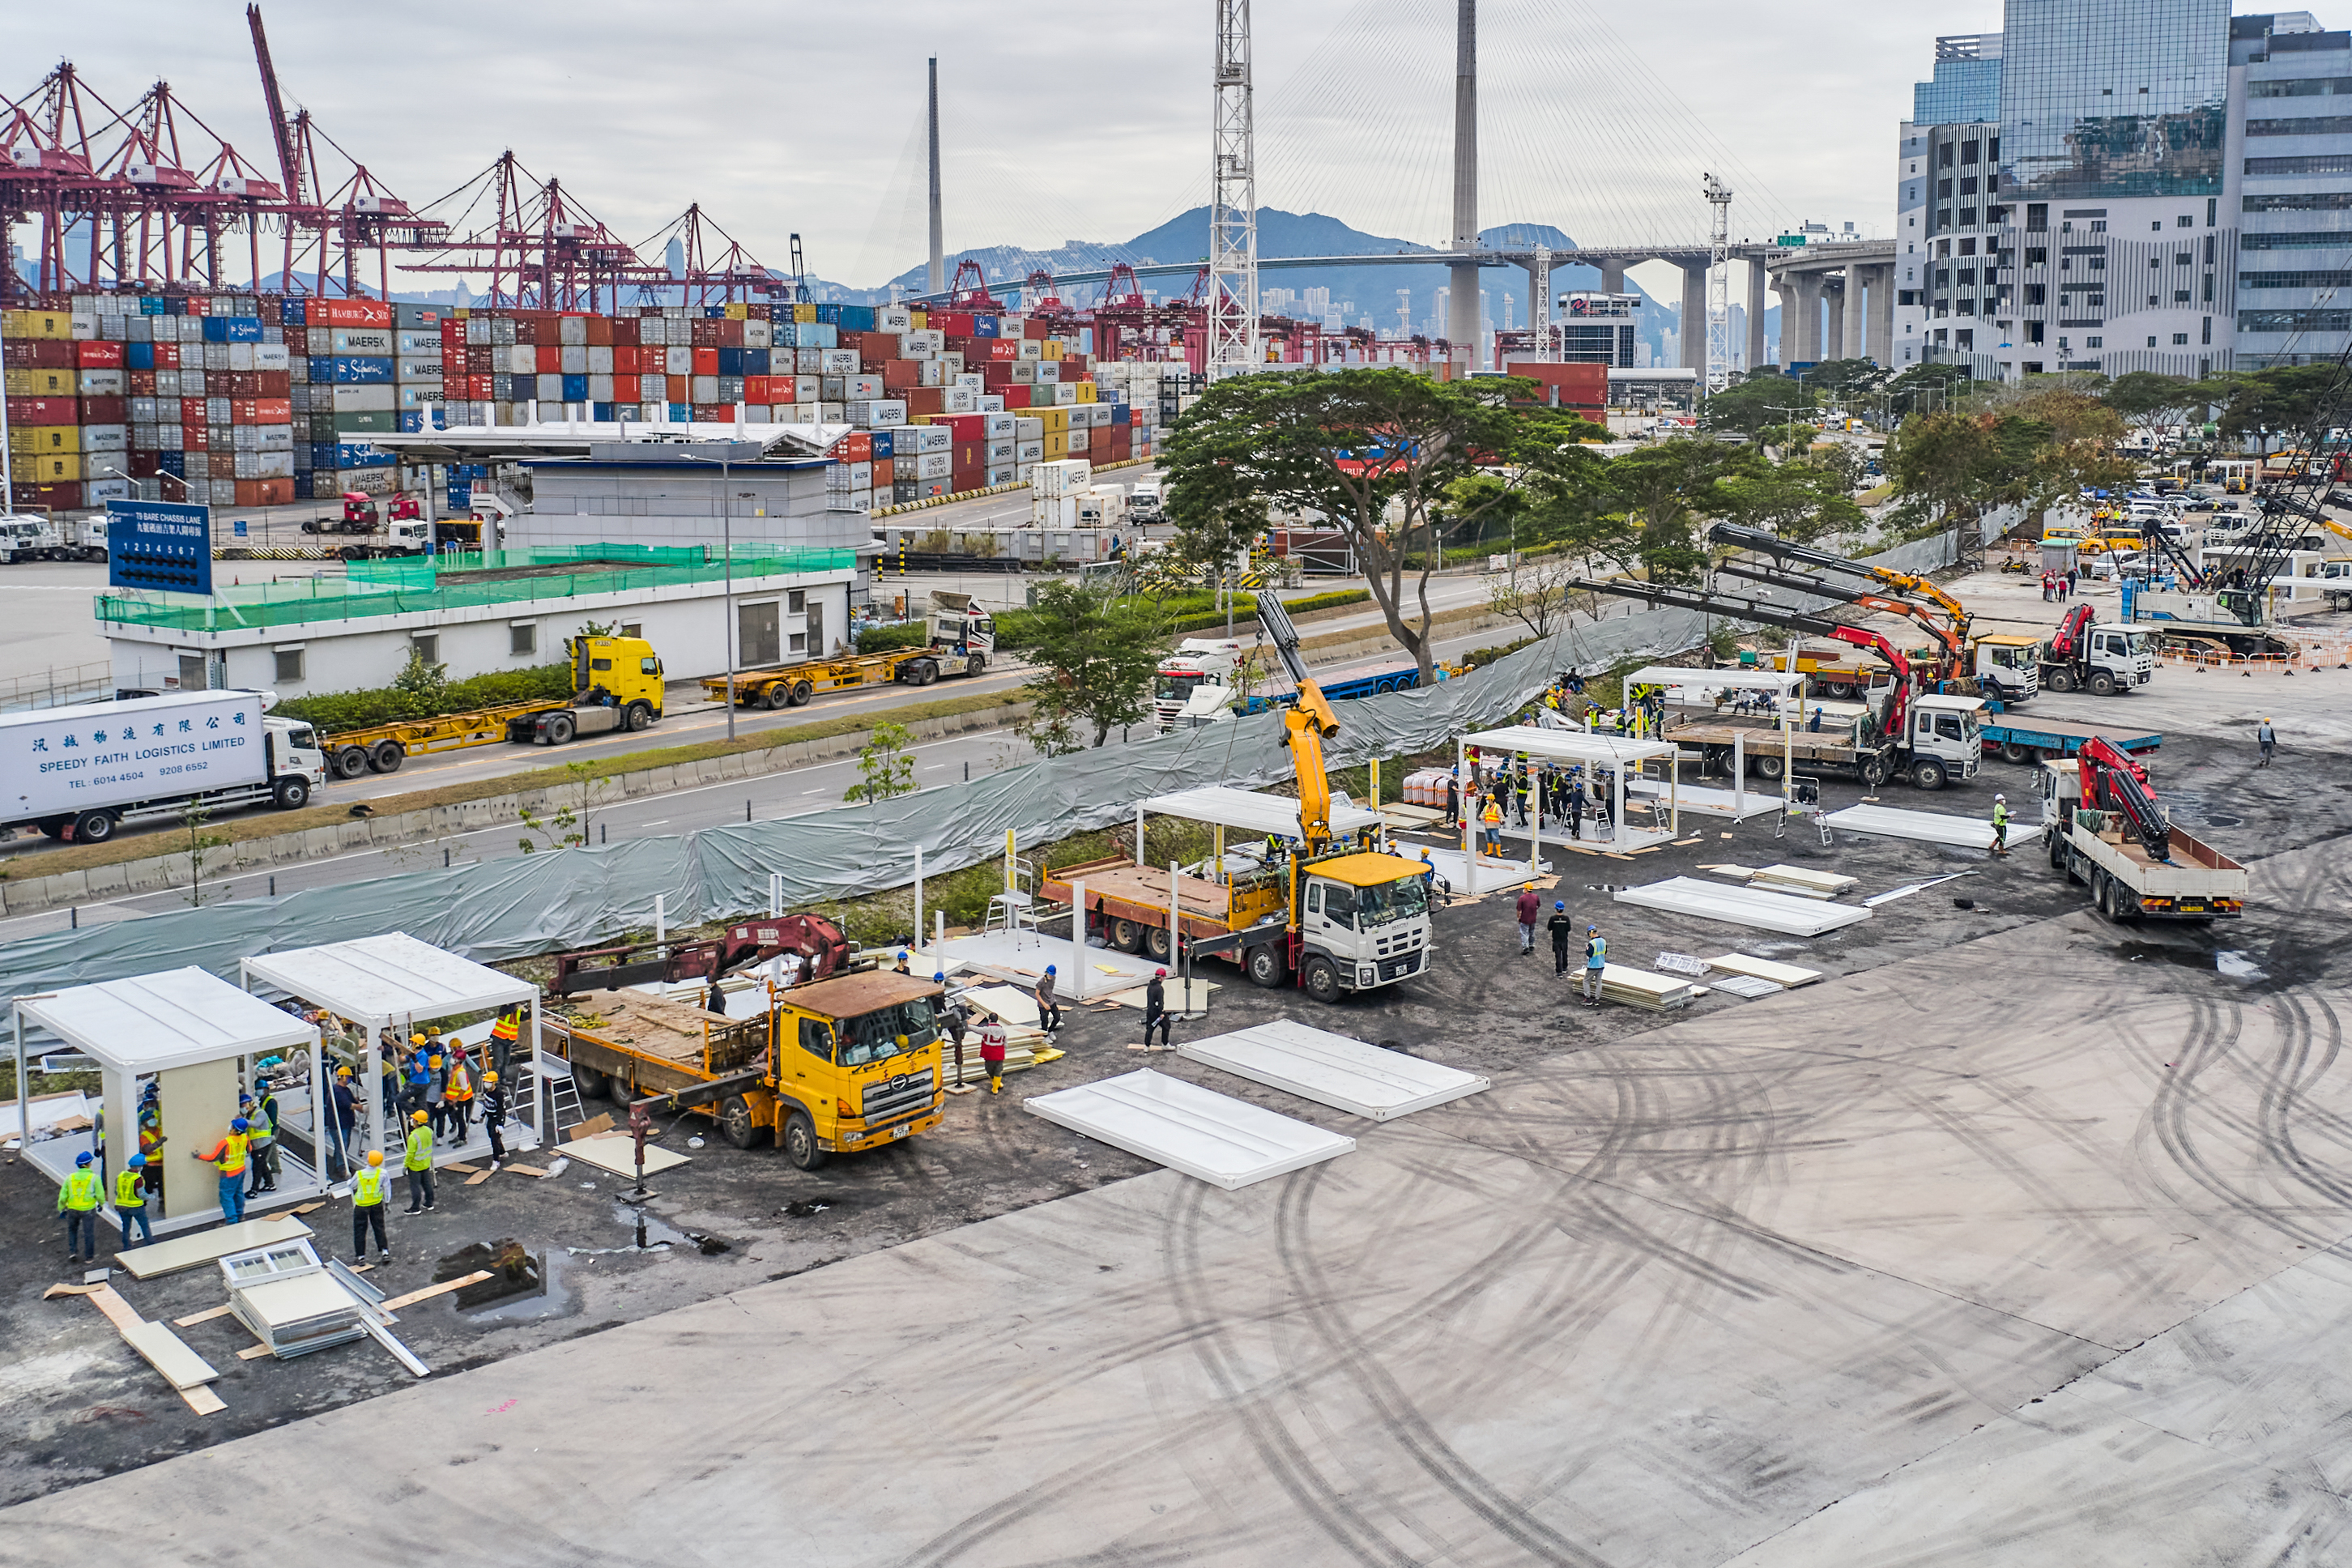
1232 202
1718 287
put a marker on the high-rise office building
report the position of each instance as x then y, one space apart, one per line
2093 222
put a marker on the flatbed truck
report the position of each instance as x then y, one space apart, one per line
2017 739
834 1066
2107 833
616 685
1938 743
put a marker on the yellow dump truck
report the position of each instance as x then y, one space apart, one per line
832 1066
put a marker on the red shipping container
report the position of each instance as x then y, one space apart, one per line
898 374
969 455
1000 350
922 400
142 383
1035 328
954 323
625 359
526 329
336 312
966 427
39 353
600 331
453 334
550 358
202 305
57 498
192 411
730 333
142 465
99 355
1015 393
755 390
481 388
704 333
625 332
786 388
714 414
106 411
196 438
857 446
273 411
273 383
882 470
43 410
167 356
705 361
265 492
680 388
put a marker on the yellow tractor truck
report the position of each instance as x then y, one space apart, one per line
616 684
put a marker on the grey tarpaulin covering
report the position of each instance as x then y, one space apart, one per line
514 907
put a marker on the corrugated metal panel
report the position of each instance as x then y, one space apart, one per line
1333 1069
1926 827
1186 1128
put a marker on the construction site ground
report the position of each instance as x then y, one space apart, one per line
2018 1240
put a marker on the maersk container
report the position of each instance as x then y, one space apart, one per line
418 368
416 342
351 398
374 341
418 395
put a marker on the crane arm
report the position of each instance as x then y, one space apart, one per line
1944 634
289 160
2115 782
1306 725
1904 582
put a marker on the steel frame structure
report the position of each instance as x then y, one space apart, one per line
1232 325
1719 286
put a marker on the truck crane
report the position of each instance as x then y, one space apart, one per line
1927 740
2103 827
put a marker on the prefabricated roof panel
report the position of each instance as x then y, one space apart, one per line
1199 1132
1333 1069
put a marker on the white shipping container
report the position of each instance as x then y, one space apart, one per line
861 476
572 332
105 437
927 438
653 389
1062 477
273 437
264 464
418 368
515 359
1000 451
958 400
861 388
547 388
418 395
377 399
97 492
271 356
372 342
995 424
600 358
877 415
100 382
412 342
931 465
832 362
1001 475
1081 439
759 335
677 360
705 389
894 319
571 359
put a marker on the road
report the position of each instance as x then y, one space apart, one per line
787 793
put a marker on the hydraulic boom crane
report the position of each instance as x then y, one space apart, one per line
1905 584
1309 723
1945 634
2111 780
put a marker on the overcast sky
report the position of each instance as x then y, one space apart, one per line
1063 121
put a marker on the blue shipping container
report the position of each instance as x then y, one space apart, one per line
881 443
461 495
150 304
680 412
856 319
829 315
232 329
359 454
294 312
755 362
601 411
984 326
172 463
322 454
575 389
139 357
730 361
354 369
302 489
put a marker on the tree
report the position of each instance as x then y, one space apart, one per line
568 825
200 845
885 764
1641 512
1376 453
1216 518
2284 399
1761 402
424 685
1095 655
1536 593
1798 502
1929 385
2148 401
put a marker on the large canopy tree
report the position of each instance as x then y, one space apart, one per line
1384 456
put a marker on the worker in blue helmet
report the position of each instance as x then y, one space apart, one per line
130 1199
78 1200
1049 1016
1563 928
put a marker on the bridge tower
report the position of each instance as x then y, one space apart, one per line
1462 296
937 278
1718 287
1233 344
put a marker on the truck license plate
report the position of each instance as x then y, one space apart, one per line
897 1132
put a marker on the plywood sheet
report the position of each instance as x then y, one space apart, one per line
446 1286
1926 827
617 1152
1215 1137
207 1247
1014 1007
181 1367
1786 976
1333 1069
1824 883
1742 906
281 1302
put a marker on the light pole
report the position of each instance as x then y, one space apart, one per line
727 559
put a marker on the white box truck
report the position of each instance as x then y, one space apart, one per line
78 773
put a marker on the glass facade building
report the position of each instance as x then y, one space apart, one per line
2106 100
1967 84
2292 171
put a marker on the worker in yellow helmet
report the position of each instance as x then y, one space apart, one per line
494 1115
367 1209
417 1161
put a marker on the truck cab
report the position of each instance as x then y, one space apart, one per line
1143 500
616 684
2009 667
961 632
854 1064
22 539
1363 922
1947 739
1197 665
297 763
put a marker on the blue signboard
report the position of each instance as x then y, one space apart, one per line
238 527
159 544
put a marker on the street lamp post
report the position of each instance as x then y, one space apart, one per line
727 566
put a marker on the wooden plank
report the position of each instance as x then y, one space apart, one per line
206 1316
181 1367
462 1168
203 1400
118 1311
254 1352
600 1123
526 1171
477 1178
617 1153
1786 976
430 1291
70 1291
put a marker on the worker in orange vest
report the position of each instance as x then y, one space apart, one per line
503 1035
458 1096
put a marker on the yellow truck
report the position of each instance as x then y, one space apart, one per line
830 1068
792 685
616 684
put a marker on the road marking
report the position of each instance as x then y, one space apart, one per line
663 823
813 792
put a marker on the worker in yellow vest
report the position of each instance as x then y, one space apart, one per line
367 1209
417 1161
458 1096
130 1199
78 1200
228 1157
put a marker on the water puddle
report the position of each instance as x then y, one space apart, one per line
518 1279
2234 964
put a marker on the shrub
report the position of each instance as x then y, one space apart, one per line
335 712
882 640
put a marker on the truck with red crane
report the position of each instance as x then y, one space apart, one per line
2103 827
1928 739
2103 659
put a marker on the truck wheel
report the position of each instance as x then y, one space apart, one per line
802 692
736 1124
1321 977
588 1083
1928 775
1156 945
641 715
2103 684
93 828
618 1086
777 695
54 827
291 794
350 761
2057 848
2060 680
1769 767
1126 935
975 665
800 1141
1874 773
385 756
925 671
2010 751
1265 967
560 728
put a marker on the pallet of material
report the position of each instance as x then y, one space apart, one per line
1013 1007
1742 906
1640 988
1021 1046
1787 977
1798 879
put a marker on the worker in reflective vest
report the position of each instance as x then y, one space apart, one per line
263 1175
150 1145
458 1096
130 1199
228 1157
367 1209
417 1161
503 1035
78 1200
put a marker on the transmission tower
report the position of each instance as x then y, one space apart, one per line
1233 210
1718 287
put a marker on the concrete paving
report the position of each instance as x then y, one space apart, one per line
2023 1249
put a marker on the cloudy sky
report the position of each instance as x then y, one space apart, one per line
1063 121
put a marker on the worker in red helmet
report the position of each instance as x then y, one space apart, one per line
1155 1011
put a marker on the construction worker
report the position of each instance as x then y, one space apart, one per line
417 1158
228 1157
1563 930
953 1018
344 1121
1492 816
367 1209
1049 1016
2267 738
503 1035
1529 907
263 1152
1155 1011
1596 960
992 1053
458 1096
1433 886
130 1199
78 1200
416 1077
902 962
152 1141
437 1088
494 1115
1575 807
2001 824
1453 800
